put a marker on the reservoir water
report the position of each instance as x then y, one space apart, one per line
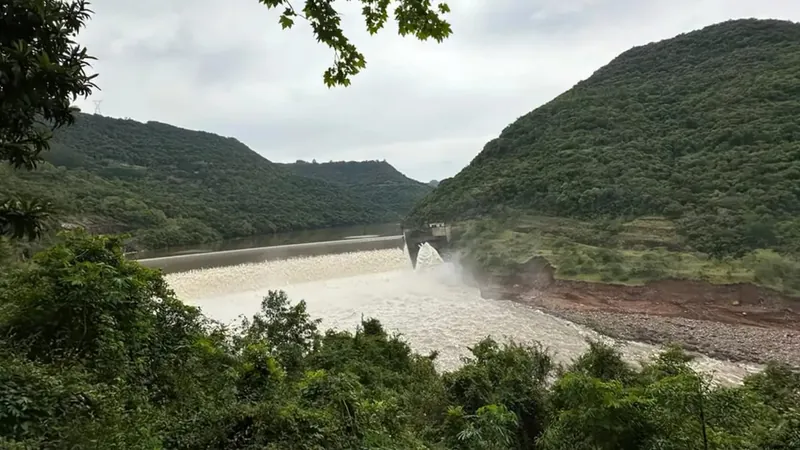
291 237
431 306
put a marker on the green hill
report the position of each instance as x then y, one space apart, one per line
375 181
701 129
172 186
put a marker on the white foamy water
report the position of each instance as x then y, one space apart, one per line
428 257
208 283
430 306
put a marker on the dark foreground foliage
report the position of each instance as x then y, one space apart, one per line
97 353
700 129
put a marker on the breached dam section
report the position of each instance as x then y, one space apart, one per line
430 306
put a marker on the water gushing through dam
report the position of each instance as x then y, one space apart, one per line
430 305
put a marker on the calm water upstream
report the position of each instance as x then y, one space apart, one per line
430 306
294 237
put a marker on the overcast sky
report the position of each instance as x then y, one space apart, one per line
226 67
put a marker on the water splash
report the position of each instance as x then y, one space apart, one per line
278 274
428 257
431 306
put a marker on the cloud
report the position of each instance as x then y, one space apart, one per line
228 68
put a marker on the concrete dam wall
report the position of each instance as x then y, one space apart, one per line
196 261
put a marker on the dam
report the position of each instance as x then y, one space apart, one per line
197 261
430 305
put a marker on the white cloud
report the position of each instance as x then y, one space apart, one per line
428 108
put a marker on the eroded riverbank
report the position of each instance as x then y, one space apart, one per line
740 322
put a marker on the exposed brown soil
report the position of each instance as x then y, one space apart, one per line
740 322
743 304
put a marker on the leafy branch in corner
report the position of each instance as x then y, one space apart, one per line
42 71
414 17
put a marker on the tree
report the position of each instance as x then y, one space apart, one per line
42 71
21 218
415 17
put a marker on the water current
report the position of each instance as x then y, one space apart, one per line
431 306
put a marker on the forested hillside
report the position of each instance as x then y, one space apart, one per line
171 186
376 181
701 129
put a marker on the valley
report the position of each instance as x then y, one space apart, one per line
619 268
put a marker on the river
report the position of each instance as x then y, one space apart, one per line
431 306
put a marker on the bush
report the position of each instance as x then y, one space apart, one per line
96 352
772 269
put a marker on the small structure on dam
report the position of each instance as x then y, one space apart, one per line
438 235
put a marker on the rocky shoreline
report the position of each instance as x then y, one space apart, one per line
733 342
739 322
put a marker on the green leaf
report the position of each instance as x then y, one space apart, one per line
286 22
415 17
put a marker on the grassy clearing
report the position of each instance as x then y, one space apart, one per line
631 253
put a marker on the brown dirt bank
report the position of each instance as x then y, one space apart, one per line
739 322
743 304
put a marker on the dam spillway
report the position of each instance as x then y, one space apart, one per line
430 305
208 260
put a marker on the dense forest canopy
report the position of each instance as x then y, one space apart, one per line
376 181
701 129
172 186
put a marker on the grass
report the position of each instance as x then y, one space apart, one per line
631 253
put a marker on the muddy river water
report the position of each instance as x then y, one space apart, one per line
430 306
